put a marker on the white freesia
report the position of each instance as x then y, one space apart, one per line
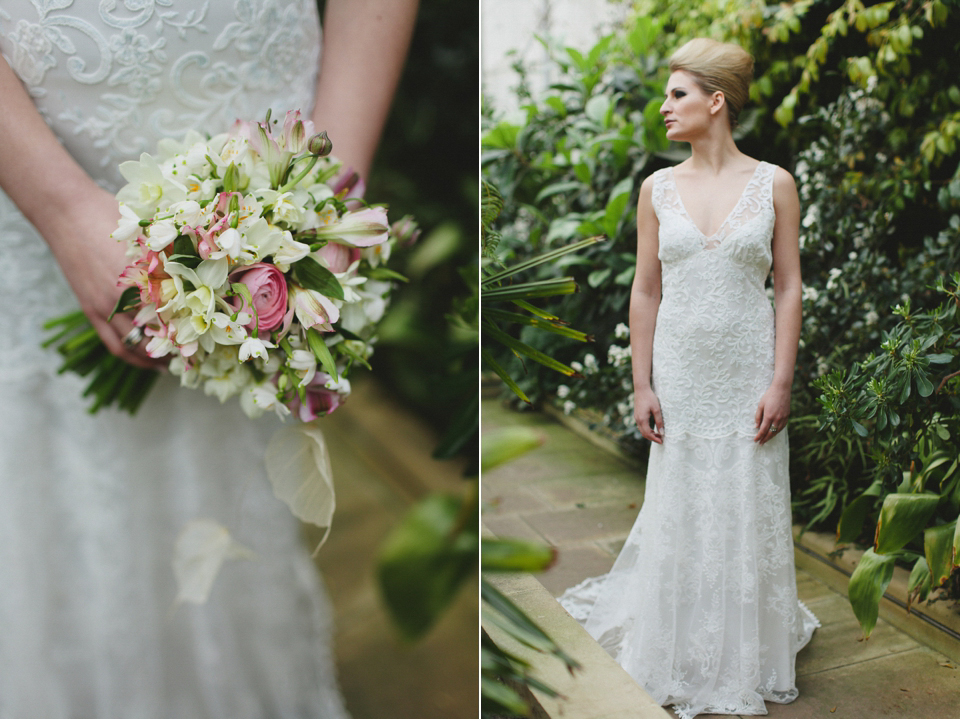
254 347
160 234
128 228
304 363
289 251
148 187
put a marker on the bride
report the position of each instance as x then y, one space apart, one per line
90 506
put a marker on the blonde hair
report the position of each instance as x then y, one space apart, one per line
717 66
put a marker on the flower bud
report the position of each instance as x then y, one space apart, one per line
231 178
405 230
320 145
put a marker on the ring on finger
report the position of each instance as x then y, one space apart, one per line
774 429
133 337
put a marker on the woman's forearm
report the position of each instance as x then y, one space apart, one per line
643 322
787 323
364 46
36 172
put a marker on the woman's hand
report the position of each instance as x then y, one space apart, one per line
92 262
773 411
646 405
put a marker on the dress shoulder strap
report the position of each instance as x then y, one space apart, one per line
662 190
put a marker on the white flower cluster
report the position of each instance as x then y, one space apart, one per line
252 268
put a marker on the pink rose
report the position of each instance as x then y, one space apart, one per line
268 287
338 257
320 401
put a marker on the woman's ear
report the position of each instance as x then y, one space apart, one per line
717 102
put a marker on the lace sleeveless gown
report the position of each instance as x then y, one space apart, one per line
701 605
90 506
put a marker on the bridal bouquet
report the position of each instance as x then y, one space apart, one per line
252 268
259 273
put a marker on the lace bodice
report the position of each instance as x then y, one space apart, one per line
713 346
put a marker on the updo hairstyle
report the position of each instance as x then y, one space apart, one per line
717 66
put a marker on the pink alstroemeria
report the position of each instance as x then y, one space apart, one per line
313 309
278 150
319 400
338 257
362 228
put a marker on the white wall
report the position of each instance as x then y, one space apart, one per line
512 24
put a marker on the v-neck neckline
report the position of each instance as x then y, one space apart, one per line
683 206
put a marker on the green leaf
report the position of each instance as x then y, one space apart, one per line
539 260
385 274
918 587
465 425
515 555
556 189
529 290
507 444
498 698
322 353
504 135
855 513
523 348
867 584
516 623
314 276
558 328
938 550
902 517
598 277
129 300
492 363
426 559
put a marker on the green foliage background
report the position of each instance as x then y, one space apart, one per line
426 166
861 102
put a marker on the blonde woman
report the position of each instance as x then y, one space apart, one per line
701 605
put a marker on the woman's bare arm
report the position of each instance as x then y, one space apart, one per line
364 46
73 215
644 303
774 407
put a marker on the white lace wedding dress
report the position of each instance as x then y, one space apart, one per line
90 506
701 605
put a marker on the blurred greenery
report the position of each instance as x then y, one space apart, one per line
426 166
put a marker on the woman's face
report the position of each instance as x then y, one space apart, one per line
686 109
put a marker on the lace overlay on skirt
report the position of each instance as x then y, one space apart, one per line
701 605
90 507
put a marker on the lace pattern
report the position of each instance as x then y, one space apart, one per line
90 507
701 605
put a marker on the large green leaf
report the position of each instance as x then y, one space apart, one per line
515 555
508 443
855 513
938 550
425 560
902 518
867 584
919 585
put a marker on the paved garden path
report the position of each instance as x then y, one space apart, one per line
584 500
